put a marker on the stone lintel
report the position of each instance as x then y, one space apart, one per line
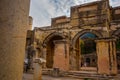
105 39
60 41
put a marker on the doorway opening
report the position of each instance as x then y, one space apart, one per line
50 51
86 50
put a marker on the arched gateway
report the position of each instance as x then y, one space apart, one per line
80 33
83 41
84 48
86 35
49 41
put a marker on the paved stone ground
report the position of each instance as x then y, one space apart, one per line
27 76
30 77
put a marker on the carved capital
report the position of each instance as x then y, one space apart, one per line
40 61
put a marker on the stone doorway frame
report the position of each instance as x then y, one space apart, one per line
48 38
116 34
97 33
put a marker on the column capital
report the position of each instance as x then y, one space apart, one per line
40 60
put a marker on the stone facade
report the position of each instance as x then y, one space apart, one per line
87 22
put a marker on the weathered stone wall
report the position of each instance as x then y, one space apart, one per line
59 20
14 23
90 15
116 13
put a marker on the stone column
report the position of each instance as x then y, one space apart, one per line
106 53
73 65
34 57
44 51
61 55
14 23
36 53
30 23
38 68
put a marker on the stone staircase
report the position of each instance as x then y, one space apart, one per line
91 74
47 71
85 74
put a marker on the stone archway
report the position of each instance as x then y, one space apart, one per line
50 46
52 35
76 54
97 33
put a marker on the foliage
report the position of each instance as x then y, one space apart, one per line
87 46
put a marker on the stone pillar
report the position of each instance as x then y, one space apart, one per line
61 55
44 52
44 55
73 61
106 53
30 23
36 53
38 68
14 23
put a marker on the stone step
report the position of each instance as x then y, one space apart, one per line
86 74
46 71
90 77
79 74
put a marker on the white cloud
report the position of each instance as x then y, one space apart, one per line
115 3
43 10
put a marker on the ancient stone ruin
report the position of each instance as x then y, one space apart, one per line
88 40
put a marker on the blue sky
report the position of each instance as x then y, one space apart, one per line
43 10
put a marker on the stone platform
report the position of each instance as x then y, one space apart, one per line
45 77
